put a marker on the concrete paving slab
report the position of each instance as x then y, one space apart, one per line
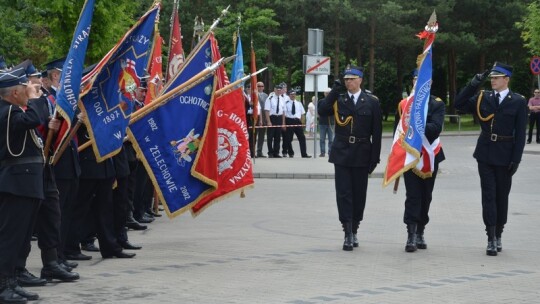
282 244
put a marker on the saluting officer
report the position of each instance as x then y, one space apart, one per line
356 148
21 177
47 224
503 118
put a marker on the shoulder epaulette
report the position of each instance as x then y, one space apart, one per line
438 99
371 95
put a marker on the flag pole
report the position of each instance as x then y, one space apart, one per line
161 100
226 88
48 141
212 27
396 185
64 145
173 15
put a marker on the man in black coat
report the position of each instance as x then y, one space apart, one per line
47 223
503 118
356 148
21 177
419 183
95 199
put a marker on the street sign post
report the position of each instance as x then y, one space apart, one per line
535 68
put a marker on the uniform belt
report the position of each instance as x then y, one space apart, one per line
496 137
21 161
353 139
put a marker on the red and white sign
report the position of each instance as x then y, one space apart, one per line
535 65
316 65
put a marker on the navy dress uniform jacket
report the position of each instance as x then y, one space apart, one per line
364 124
509 119
90 168
22 175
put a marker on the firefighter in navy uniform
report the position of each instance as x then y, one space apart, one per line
503 119
356 148
419 185
21 177
95 197
47 223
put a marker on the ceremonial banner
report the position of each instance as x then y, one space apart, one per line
237 71
67 96
409 138
110 100
234 162
176 52
171 139
197 61
233 156
155 82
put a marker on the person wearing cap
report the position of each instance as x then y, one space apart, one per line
356 148
21 177
419 184
534 116
293 118
274 109
47 224
54 74
261 122
503 118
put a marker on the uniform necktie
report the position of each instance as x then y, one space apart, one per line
498 98
293 108
352 99
277 106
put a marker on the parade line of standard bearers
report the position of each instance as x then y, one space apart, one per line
70 203
66 205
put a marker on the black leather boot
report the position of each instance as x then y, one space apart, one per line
27 279
52 271
349 242
492 241
420 242
30 296
411 238
498 234
355 232
7 294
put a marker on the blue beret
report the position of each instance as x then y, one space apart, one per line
57 64
13 77
501 69
353 72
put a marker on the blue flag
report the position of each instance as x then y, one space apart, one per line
237 71
170 138
418 112
67 96
110 101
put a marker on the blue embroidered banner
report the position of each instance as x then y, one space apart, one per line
110 101
171 137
